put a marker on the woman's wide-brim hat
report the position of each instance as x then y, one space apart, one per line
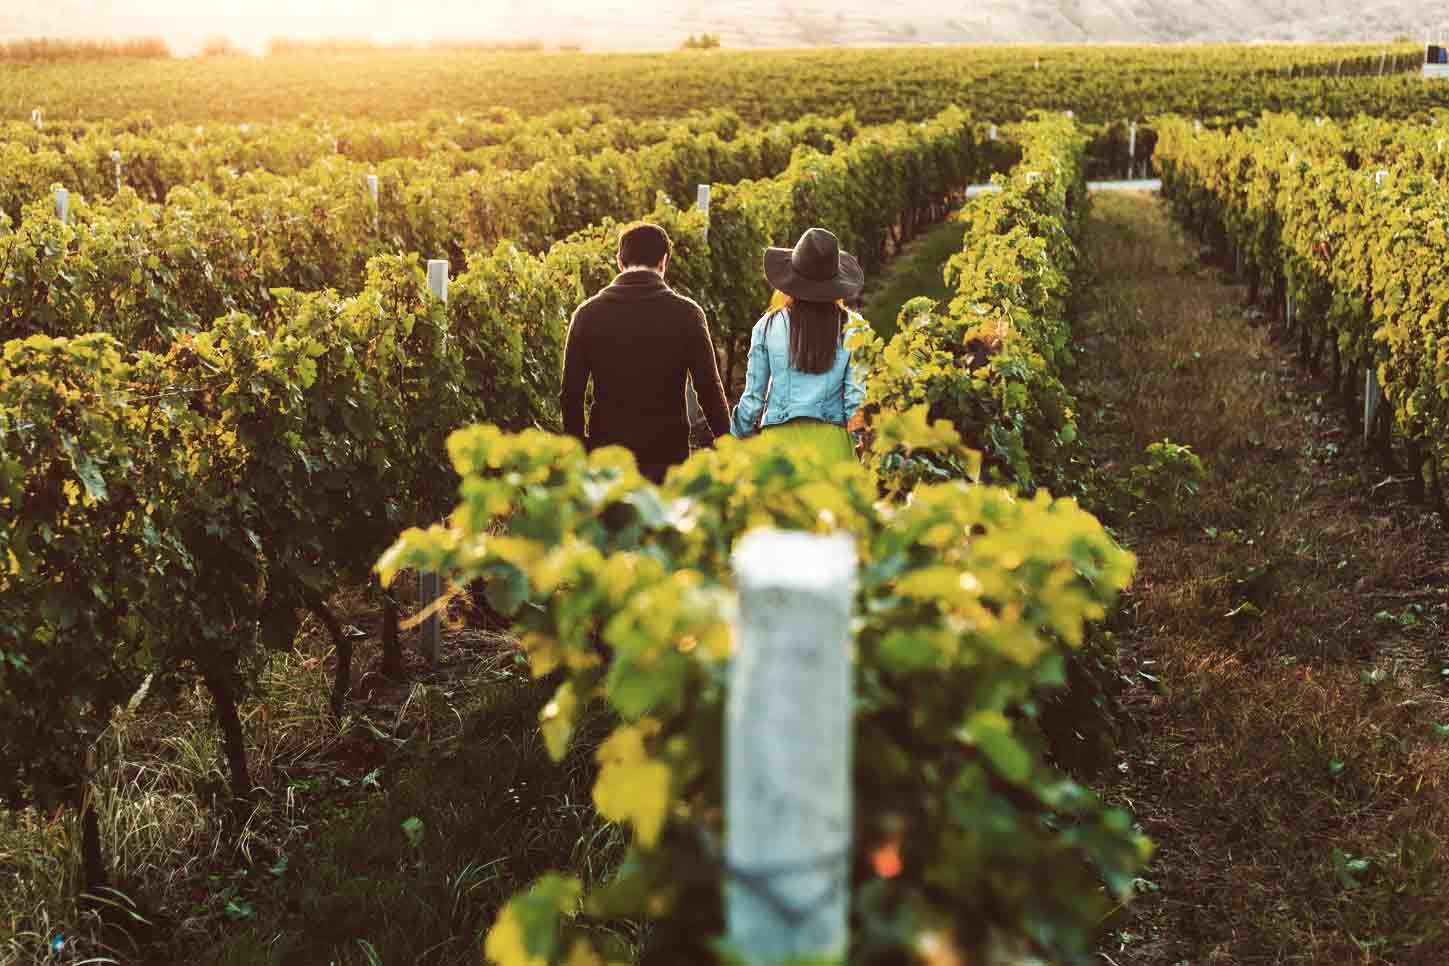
815 270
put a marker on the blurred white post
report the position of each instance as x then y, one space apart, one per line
1383 59
991 133
693 411
36 119
430 586
116 160
62 205
701 202
788 738
1131 149
377 215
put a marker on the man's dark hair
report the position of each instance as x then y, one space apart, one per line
643 244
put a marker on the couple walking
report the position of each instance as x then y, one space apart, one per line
638 340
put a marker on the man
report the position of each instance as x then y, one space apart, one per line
638 340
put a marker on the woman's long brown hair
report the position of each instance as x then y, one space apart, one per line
815 331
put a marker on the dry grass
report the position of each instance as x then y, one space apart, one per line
160 779
1291 721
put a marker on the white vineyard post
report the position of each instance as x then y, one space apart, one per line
1383 59
62 205
1370 400
372 195
991 133
1131 149
116 160
788 742
36 119
430 585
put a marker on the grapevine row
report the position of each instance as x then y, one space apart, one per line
170 512
144 271
1357 246
219 156
1099 83
971 600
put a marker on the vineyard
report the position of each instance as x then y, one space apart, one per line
267 360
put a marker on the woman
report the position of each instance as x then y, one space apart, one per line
800 378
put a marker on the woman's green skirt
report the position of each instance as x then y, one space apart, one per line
826 442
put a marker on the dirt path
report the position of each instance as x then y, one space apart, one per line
1287 633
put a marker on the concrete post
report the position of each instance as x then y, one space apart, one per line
62 205
788 737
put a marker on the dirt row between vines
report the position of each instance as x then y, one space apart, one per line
1286 636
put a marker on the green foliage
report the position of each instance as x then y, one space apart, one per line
1162 489
265 460
1301 200
1101 83
143 271
991 364
154 159
971 601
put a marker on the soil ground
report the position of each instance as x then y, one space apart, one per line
1288 630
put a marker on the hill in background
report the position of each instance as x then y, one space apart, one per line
651 24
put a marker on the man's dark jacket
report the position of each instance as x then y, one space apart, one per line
637 340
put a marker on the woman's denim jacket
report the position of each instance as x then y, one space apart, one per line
784 392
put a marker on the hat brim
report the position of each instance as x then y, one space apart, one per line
780 272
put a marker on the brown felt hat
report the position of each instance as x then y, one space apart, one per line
815 270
